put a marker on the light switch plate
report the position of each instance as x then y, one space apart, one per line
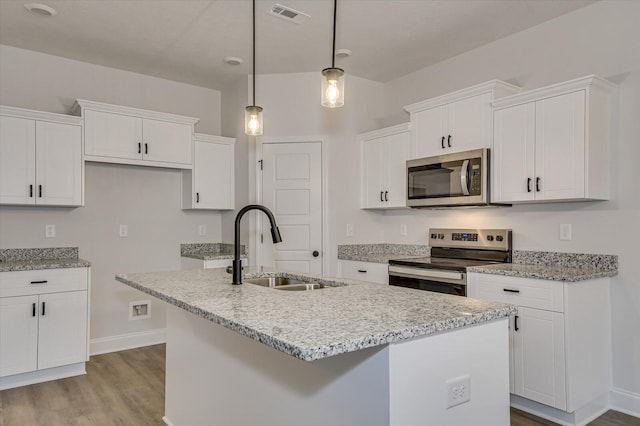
202 230
123 231
565 231
403 229
349 229
49 231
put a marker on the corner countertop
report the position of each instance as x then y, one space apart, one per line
33 259
311 325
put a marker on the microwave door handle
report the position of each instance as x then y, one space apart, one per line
464 177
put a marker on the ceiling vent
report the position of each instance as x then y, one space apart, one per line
288 14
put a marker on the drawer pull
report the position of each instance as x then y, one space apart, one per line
39 282
364 271
510 290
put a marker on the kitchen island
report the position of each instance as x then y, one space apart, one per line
352 353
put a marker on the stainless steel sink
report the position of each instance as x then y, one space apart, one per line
284 283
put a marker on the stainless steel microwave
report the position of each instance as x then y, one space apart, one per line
451 180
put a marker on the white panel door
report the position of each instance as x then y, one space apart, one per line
18 335
112 135
373 153
538 357
397 153
62 336
213 169
166 142
560 147
58 164
514 154
469 124
292 190
17 160
428 128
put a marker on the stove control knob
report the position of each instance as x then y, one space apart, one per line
489 237
441 236
499 238
434 236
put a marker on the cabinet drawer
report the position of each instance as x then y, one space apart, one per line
525 292
365 271
22 283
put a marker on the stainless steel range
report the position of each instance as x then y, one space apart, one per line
452 252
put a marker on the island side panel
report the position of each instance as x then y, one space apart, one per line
215 376
420 368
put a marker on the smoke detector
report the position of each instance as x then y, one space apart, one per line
40 9
343 53
288 14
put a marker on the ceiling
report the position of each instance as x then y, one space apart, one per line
187 40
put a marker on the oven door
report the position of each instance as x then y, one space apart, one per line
439 281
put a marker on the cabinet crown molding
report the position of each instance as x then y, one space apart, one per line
387 131
81 104
201 137
489 86
555 90
39 115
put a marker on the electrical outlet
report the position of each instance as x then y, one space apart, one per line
202 230
565 231
349 229
139 310
49 231
458 391
403 229
123 231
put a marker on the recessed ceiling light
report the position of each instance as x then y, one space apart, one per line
233 60
40 9
343 53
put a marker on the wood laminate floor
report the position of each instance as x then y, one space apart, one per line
127 388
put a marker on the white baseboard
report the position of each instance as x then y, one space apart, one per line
626 402
123 342
166 421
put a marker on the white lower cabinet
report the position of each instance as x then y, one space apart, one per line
559 339
365 271
43 322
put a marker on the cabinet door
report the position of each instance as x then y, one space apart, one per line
62 336
538 357
469 124
372 172
428 127
112 135
213 176
18 335
395 186
513 154
58 164
167 142
17 160
560 147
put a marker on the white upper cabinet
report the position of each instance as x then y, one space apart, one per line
552 144
40 158
384 154
116 134
210 185
455 122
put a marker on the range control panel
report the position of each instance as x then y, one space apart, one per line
488 239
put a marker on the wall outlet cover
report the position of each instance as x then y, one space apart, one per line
458 391
349 229
123 231
565 232
140 309
202 230
49 231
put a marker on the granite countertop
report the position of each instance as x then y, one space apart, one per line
380 253
210 251
312 325
32 259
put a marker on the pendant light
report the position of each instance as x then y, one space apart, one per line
253 113
333 81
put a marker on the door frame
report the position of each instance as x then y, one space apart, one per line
256 223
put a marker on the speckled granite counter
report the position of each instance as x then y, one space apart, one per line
312 325
570 267
380 253
210 251
31 259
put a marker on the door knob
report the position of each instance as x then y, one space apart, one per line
315 253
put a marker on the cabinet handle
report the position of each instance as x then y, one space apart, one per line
528 184
510 290
381 194
30 191
146 148
363 271
386 195
449 141
515 323
39 282
139 148
442 142
43 308
537 184
33 309
197 197
40 191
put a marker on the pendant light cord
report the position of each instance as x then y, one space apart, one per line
254 52
333 52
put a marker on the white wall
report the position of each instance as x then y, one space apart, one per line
144 198
603 39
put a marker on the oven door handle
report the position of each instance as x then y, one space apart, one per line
424 273
464 177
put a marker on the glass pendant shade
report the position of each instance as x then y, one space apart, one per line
332 87
253 120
